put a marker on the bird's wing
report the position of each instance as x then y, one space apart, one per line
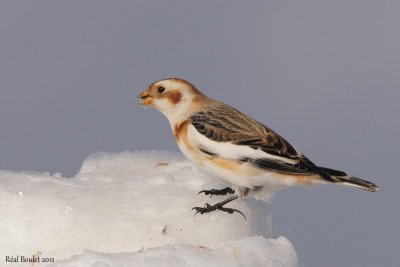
247 140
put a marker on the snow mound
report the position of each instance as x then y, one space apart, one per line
132 209
249 251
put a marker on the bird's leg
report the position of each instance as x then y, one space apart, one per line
218 192
219 206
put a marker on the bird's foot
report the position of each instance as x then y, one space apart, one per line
218 192
219 206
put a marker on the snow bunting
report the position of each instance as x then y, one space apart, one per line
226 143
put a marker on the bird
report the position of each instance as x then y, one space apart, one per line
251 158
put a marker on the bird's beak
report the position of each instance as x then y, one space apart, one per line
144 98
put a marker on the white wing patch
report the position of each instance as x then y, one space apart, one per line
229 151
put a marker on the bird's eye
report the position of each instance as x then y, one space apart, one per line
160 89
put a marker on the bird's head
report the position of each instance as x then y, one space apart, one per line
173 97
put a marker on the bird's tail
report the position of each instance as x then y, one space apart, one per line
342 178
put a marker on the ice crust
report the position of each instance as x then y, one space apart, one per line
132 209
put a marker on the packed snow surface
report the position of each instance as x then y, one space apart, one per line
132 209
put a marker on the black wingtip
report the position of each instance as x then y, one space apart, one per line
358 183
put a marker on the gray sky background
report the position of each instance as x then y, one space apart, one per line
324 74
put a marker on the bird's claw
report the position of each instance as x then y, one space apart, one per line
209 208
230 211
217 192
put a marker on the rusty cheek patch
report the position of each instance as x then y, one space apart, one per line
174 96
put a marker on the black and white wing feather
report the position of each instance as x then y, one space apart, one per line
223 124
